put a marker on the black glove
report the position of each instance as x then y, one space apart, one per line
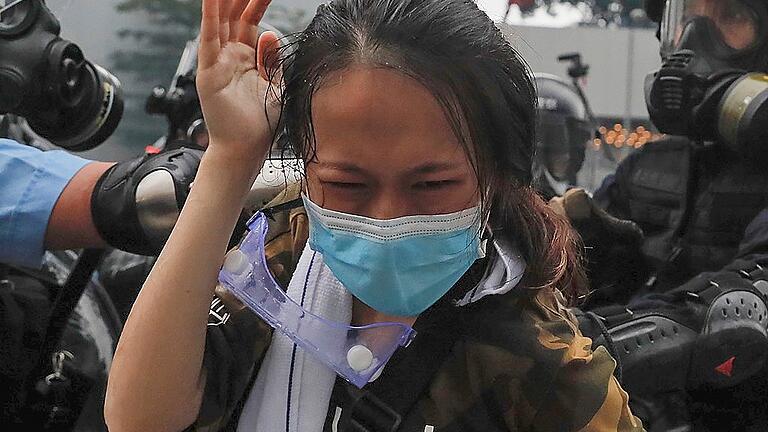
136 203
615 263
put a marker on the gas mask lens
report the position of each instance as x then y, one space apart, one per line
15 15
735 20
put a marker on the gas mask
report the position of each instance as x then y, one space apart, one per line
712 85
65 98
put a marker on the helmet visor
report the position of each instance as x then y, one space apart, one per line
562 142
736 20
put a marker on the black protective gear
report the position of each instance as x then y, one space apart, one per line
711 332
64 97
614 247
59 381
654 9
136 203
712 88
693 204
564 131
705 336
702 209
733 31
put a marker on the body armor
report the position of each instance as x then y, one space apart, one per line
693 203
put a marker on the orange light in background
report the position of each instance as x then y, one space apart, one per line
618 137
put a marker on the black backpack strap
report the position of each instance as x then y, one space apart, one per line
65 303
383 405
286 206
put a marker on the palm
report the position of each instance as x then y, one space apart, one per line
232 89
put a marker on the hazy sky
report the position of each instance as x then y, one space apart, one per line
494 7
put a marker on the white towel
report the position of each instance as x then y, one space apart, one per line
270 406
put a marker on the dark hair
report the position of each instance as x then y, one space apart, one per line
485 88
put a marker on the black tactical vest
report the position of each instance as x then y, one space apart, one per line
692 201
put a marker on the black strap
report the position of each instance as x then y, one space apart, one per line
65 303
609 344
286 206
384 404
367 413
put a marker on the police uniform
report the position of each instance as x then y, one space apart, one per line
31 182
704 211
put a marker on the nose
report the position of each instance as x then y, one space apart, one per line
388 204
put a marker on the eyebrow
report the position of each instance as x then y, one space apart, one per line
427 168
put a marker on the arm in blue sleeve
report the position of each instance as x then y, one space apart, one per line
31 182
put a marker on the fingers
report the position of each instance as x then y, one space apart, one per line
225 9
228 20
209 34
249 21
255 11
234 18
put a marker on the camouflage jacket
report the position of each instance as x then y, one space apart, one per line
517 363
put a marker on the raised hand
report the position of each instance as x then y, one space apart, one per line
232 77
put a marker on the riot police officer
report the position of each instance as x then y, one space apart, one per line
564 130
688 323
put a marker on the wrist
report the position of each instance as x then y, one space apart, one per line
238 161
230 172
240 154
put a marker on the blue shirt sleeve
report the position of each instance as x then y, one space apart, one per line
31 182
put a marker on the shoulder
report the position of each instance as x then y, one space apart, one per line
531 350
20 161
535 324
666 147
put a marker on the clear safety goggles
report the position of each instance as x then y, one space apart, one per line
738 22
357 354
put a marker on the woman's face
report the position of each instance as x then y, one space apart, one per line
385 148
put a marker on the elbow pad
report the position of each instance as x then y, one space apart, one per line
136 203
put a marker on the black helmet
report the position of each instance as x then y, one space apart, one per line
564 129
654 9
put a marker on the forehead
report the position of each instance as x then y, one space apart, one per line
365 110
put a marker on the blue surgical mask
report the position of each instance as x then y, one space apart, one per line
397 266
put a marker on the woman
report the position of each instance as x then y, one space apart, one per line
406 113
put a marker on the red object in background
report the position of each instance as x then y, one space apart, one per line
150 149
522 4
726 368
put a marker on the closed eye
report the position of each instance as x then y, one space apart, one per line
435 185
344 185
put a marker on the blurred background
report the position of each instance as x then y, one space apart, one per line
141 41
